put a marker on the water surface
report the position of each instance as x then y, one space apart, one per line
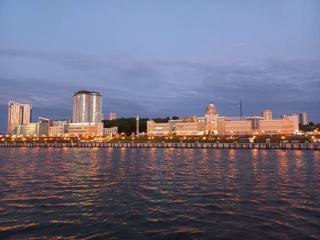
80 193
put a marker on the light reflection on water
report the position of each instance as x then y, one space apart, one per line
159 193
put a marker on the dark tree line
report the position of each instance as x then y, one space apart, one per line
310 127
128 125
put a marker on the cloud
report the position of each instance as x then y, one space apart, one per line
69 59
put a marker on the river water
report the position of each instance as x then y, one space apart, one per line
90 193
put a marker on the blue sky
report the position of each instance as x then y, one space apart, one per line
161 58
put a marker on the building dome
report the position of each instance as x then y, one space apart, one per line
211 109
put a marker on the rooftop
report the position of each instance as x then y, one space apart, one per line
87 92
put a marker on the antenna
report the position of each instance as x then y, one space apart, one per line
240 113
137 126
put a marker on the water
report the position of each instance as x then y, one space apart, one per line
159 194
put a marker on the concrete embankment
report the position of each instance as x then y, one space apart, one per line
282 145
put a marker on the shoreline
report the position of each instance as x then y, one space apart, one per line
282 145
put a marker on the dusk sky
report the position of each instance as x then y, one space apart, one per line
161 58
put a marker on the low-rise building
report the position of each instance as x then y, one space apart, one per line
39 128
109 132
44 124
84 129
237 127
29 129
158 129
213 124
180 127
58 128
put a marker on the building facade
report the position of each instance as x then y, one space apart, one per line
40 128
213 124
87 107
30 129
58 128
109 132
84 129
179 127
18 114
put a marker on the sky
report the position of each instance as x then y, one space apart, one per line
161 58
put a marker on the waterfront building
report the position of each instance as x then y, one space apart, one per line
84 129
179 127
29 129
87 107
159 129
109 132
43 126
112 116
211 116
303 118
18 114
38 128
213 124
58 128
189 126
236 126
278 126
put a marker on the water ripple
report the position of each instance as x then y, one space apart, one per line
159 194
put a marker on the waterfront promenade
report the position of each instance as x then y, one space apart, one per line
235 145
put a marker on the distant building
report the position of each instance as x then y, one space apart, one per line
303 118
267 114
213 124
18 114
112 116
109 132
84 129
87 107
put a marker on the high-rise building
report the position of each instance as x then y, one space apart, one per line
112 116
303 118
18 114
267 115
87 107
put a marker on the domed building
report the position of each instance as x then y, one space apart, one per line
211 116
211 109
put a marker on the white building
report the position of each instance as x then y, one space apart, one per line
18 114
213 124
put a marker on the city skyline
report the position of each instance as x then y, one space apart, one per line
161 59
87 118
33 117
